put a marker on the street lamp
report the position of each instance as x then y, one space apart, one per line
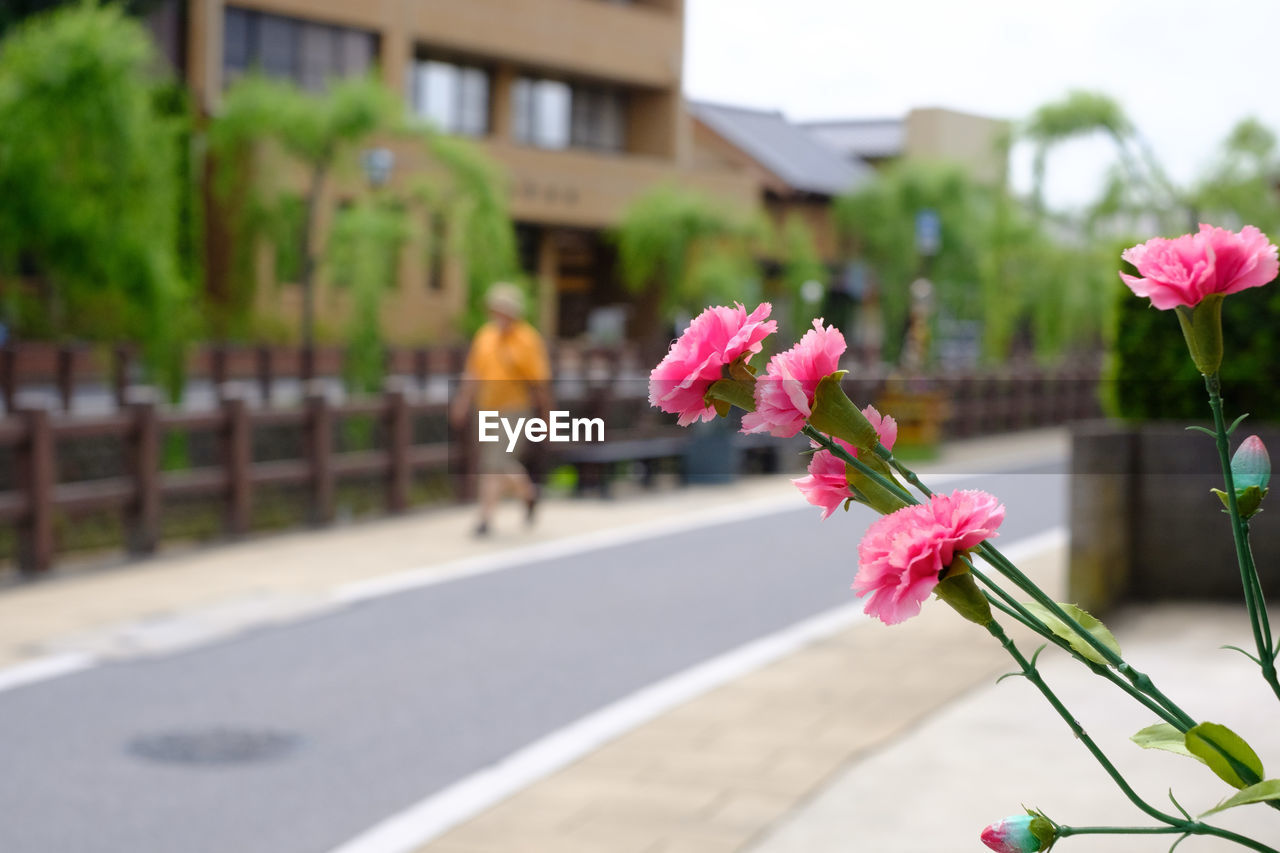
377 164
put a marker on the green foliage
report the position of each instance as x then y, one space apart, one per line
285 224
1259 793
996 263
363 250
682 250
473 201
14 11
1241 187
1226 753
1078 113
1151 373
880 220
92 181
800 263
267 130
1138 189
266 121
1078 643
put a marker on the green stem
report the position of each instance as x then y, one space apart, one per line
1257 591
1140 680
1068 831
840 453
1186 828
1239 533
1033 675
1008 605
907 474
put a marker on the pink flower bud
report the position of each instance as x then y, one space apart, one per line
1024 833
1251 466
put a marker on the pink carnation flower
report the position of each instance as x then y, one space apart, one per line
827 484
902 554
784 394
1186 269
715 338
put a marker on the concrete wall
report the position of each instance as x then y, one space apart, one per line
1144 525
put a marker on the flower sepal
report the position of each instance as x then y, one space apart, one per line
725 393
1248 500
1202 329
835 414
868 491
959 590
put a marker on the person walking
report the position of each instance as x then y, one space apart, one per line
507 371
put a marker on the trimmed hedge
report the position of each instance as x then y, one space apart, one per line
1151 374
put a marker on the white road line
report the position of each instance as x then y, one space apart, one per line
433 816
42 669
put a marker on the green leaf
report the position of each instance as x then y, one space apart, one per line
1243 652
1207 432
1261 792
1166 737
1236 423
1225 752
1077 642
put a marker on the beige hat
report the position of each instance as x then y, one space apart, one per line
506 299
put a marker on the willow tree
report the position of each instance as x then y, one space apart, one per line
800 263
313 132
92 186
267 126
997 262
880 219
1138 183
679 250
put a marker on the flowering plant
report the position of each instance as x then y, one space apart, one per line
941 544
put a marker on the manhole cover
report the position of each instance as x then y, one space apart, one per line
218 745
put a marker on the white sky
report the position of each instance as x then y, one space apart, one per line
1185 72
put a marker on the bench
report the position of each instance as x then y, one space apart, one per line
595 462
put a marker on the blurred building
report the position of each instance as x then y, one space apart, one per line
579 100
976 142
797 175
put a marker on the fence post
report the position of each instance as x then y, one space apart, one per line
142 520
120 374
219 370
399 438
307 363
66 375
236 458
320 452
9 377
38 477
266 372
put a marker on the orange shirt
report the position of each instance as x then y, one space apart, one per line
505 365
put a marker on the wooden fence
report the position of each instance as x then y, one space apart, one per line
39 497
45 493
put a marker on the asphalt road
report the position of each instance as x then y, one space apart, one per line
354 715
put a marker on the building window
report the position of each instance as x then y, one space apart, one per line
552 114
455 98
599 118
541 112
305 52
